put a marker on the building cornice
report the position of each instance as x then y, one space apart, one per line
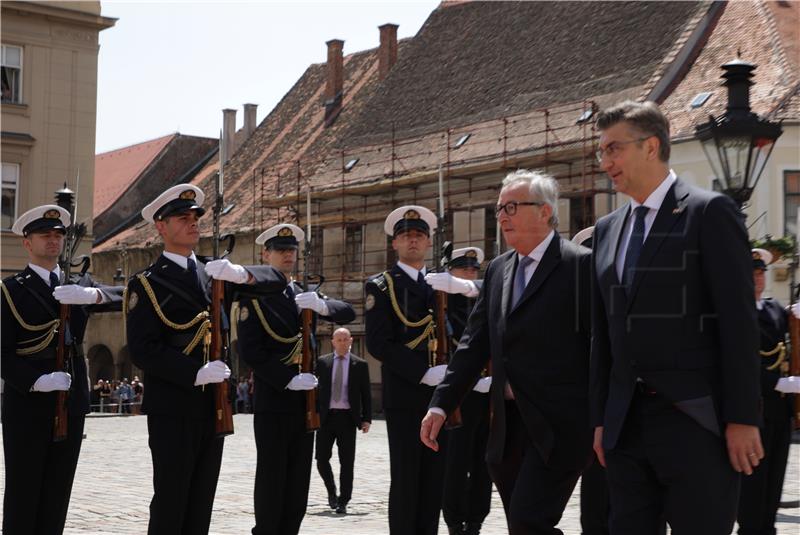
69 16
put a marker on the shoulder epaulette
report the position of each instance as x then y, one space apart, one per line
380 281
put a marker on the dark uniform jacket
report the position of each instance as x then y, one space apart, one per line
166 312
398 312
32 300
275 357
773 323
359 395
541 347
687 327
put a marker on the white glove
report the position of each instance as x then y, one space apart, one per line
225 270
313 301
303 381
434 375
445 282
796 310
215 371
52 381
72 294
788 385
483 385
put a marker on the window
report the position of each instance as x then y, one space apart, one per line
490 246
9 199
353 248
791 202
315 264
12 74
581 213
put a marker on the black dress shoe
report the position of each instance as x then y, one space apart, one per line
455 529
472 528
341 509
333 501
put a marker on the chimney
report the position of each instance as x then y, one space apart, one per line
387 53
335 81
249 119
228 132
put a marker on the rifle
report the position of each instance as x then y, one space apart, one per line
220 327
443 250
66 199
307 363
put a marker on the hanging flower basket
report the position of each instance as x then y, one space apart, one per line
779 247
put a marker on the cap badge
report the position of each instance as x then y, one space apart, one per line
471 254
411 214
52 214
188 194
285 231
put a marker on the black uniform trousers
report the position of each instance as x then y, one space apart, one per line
761 491
534 494
594 500
339 428
664 459
186 461
283 471
467 485
415 493
39 473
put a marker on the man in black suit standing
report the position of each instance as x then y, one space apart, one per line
674 339
345 404
532 319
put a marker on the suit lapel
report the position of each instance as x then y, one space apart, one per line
548 263
671 211
615 229
508 286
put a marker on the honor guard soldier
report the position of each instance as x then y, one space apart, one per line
271 342
38 470
467 485
167 324
400 333
761 492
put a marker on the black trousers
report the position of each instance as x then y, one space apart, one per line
283 472
39 473
534 494
415 493
467 485
761 491
666 466
594 500
339 428
186 460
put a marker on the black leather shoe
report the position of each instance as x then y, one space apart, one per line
333 501
455 529
341 509
472 528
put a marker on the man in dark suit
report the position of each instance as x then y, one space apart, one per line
467 485
167 319
38 471
761 492
270 341
674 339
345 404
532 319
400 332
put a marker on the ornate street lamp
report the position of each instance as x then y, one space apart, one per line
739 143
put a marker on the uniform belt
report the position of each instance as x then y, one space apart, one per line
644 389
180 341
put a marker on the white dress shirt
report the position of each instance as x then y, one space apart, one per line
410 271
179 259
653 202
344 402
45 274
536 255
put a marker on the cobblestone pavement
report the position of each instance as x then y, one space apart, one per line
113 486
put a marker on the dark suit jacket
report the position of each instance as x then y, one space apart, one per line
688 328
157 348
20 372
359 394
267 356
541 347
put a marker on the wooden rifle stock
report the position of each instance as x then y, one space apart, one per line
794 363
62 355
307 366
443 351
223 412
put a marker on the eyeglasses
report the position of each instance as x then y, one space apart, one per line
613 148
510 208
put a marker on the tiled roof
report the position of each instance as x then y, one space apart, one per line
116 170
749 29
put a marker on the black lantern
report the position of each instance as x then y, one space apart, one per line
738 144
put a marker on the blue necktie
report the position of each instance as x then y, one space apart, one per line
634 246
191 265
519 280
53 280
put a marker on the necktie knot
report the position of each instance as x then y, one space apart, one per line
53 280
420 278
640 212
634 246
191 265
520 281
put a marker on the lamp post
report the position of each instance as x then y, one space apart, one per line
739 143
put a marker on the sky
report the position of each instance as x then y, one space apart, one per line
169 67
